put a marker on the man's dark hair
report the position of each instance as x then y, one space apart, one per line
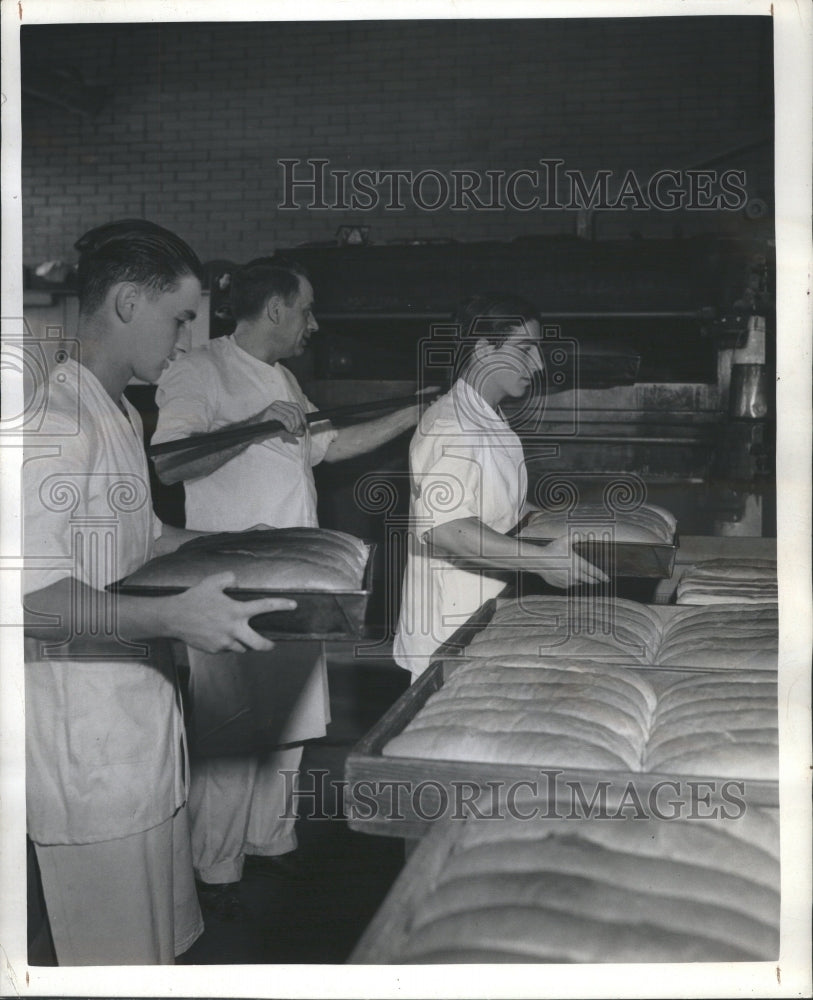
253 284
490 317
131 250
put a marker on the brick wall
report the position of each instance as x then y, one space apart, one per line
199 115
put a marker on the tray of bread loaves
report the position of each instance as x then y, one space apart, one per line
536 888
636 543
607 691
328 574
480 727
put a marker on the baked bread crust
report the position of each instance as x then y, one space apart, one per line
275 559
647 523
603 891
548 712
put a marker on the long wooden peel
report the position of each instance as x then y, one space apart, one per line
197 446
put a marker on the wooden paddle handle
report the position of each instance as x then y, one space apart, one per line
201 445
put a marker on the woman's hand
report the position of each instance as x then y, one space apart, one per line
206 618
473 545
559 565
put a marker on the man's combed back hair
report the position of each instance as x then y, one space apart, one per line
490 317
131 250
253 284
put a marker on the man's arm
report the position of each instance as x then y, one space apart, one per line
172 468
202 616
361 438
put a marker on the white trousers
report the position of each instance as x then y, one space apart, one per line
130 901
240 805
250 714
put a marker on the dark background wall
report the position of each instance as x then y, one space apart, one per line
196 116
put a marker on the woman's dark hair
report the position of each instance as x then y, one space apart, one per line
131 250
489 317
254 283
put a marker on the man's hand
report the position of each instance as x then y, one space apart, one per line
206 618
291 415
180 467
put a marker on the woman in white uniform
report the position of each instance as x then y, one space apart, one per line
469 484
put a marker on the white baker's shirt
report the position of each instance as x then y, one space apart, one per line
104 733
271 482
465 461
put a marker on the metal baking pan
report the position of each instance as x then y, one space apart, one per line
645 560
319 614
631 559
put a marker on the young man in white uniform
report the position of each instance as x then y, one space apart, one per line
241 804
106 783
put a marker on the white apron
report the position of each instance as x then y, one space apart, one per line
271 697
104 735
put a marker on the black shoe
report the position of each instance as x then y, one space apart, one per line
285 867
221 900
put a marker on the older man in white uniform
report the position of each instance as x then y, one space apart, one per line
241 804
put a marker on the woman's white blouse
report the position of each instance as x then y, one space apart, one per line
465 461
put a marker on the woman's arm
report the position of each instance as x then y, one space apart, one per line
473 544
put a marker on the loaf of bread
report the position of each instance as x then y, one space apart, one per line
647 523
580 716
738 636
273 559
736 570
563 626
717 724
756 827
729 581
626 890
585 714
